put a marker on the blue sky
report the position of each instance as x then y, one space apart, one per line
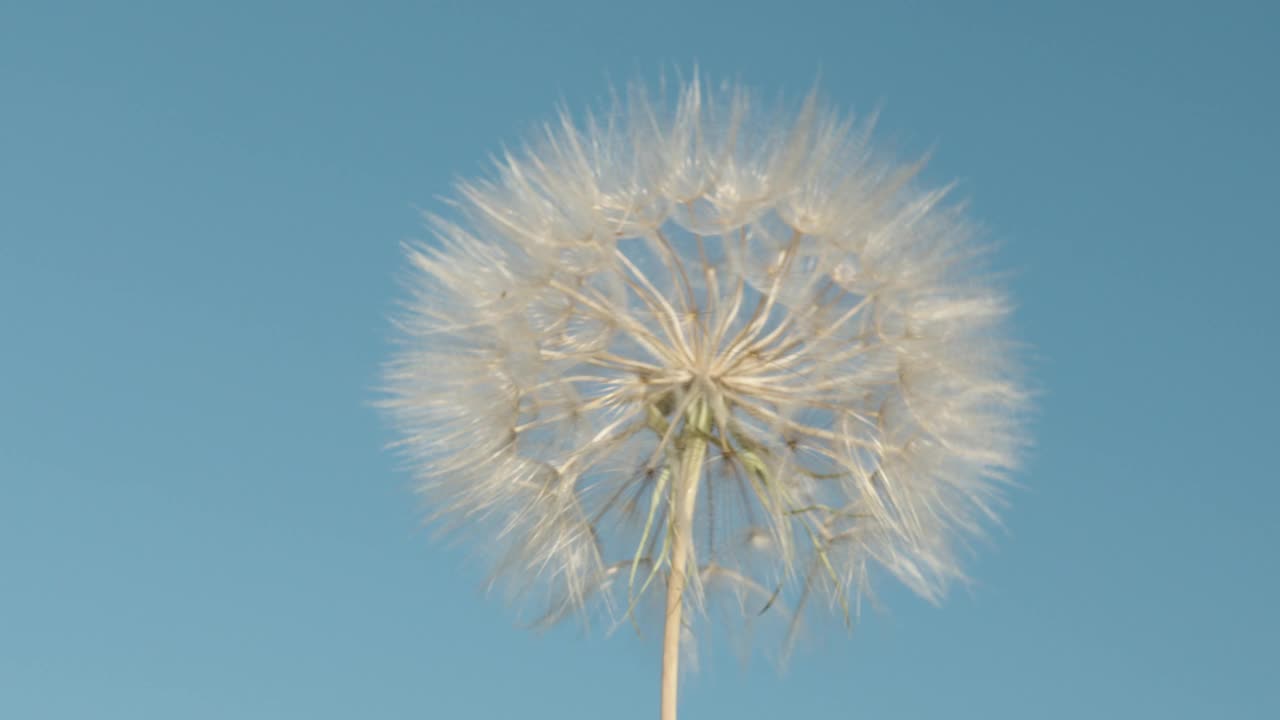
201 209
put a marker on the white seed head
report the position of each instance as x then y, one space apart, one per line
826 317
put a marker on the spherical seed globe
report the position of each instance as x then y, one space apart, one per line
707 349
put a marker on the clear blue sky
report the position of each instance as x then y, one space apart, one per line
200 218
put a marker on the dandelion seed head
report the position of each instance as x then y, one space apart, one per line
859 408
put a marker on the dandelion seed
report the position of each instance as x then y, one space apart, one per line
707 350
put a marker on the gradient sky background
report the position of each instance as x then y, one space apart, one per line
200 218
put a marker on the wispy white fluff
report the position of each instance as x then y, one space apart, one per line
829 314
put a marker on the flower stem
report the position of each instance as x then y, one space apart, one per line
684 495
